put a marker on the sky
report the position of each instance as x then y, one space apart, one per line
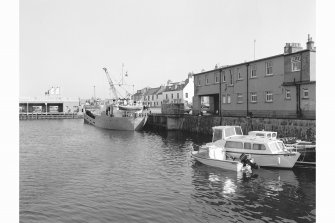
66 43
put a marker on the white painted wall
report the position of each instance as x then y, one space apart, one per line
189 89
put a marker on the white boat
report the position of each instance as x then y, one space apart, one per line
215 156
266 150
305 148
112 117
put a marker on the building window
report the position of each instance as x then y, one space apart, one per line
305 93
152 97
239 75
199 83
268 96
156 96
172 96
231 77
296 63
217 78
268 68
253 97
287 94
177 95
228 99
224 99
239 98
166 96
186 95
207 81
223 76
253 71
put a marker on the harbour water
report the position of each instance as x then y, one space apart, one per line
74 172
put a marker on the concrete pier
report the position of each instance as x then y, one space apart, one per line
301 129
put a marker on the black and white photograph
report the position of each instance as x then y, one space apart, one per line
166 111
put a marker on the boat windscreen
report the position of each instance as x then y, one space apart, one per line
229 132
276 146
238 131
217 135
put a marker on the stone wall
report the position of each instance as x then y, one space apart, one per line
301 129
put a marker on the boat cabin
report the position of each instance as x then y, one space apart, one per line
254 145
225 132
264 134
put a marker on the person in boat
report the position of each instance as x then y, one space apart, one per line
246 161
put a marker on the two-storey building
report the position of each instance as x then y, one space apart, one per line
278 86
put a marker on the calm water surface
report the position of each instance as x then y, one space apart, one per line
73 172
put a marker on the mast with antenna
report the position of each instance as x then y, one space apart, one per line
254 49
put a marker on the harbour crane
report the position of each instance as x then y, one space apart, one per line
111 84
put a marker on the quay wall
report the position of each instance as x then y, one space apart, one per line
301 129
33 116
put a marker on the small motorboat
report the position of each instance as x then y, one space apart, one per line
215 156
306 149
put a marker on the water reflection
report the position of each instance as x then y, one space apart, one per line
267 194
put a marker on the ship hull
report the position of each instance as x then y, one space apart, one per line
116 123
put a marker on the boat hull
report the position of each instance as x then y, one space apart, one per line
287 160
116 123
307 155
223 164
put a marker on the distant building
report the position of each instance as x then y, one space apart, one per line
179 92
139 95
150 96
280 86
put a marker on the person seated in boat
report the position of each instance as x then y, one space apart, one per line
246 161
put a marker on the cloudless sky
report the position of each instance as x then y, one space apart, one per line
66 43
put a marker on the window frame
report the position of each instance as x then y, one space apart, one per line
261 147
295 63
224 99
228 99
239 75
288 92
239 98
253 94
268 67
253 68
231 83
217 79
247 143
223 76
304 90
270 94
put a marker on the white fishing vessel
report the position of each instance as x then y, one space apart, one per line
266 150
120 114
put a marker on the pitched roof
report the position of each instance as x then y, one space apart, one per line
180 86
151 91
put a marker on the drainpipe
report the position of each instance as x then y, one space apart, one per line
247 89
220 96
299 87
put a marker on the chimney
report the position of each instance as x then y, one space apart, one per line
310 43
292 48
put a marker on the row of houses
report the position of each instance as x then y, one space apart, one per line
279 86
172 92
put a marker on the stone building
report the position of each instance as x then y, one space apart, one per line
280 86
